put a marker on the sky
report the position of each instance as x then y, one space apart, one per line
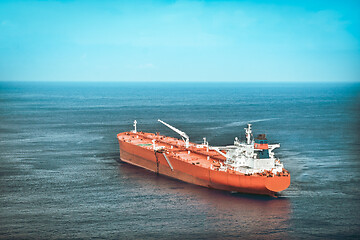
202 41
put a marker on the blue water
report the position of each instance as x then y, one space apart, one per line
60 176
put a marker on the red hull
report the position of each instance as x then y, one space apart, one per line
193 169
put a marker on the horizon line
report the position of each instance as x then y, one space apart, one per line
79 81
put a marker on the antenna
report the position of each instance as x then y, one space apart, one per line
181 133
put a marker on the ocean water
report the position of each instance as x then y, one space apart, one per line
60 177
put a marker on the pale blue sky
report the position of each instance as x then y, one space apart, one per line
180 41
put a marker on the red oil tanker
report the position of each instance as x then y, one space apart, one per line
249 167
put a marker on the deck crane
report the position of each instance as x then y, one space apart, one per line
181 133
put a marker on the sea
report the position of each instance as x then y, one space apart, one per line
61 178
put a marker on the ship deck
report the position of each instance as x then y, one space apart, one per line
196 154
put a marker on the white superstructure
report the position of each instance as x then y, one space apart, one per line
254 156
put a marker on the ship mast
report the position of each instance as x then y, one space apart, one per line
248 134
181 133
135 122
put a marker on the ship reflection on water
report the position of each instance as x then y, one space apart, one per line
171 203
